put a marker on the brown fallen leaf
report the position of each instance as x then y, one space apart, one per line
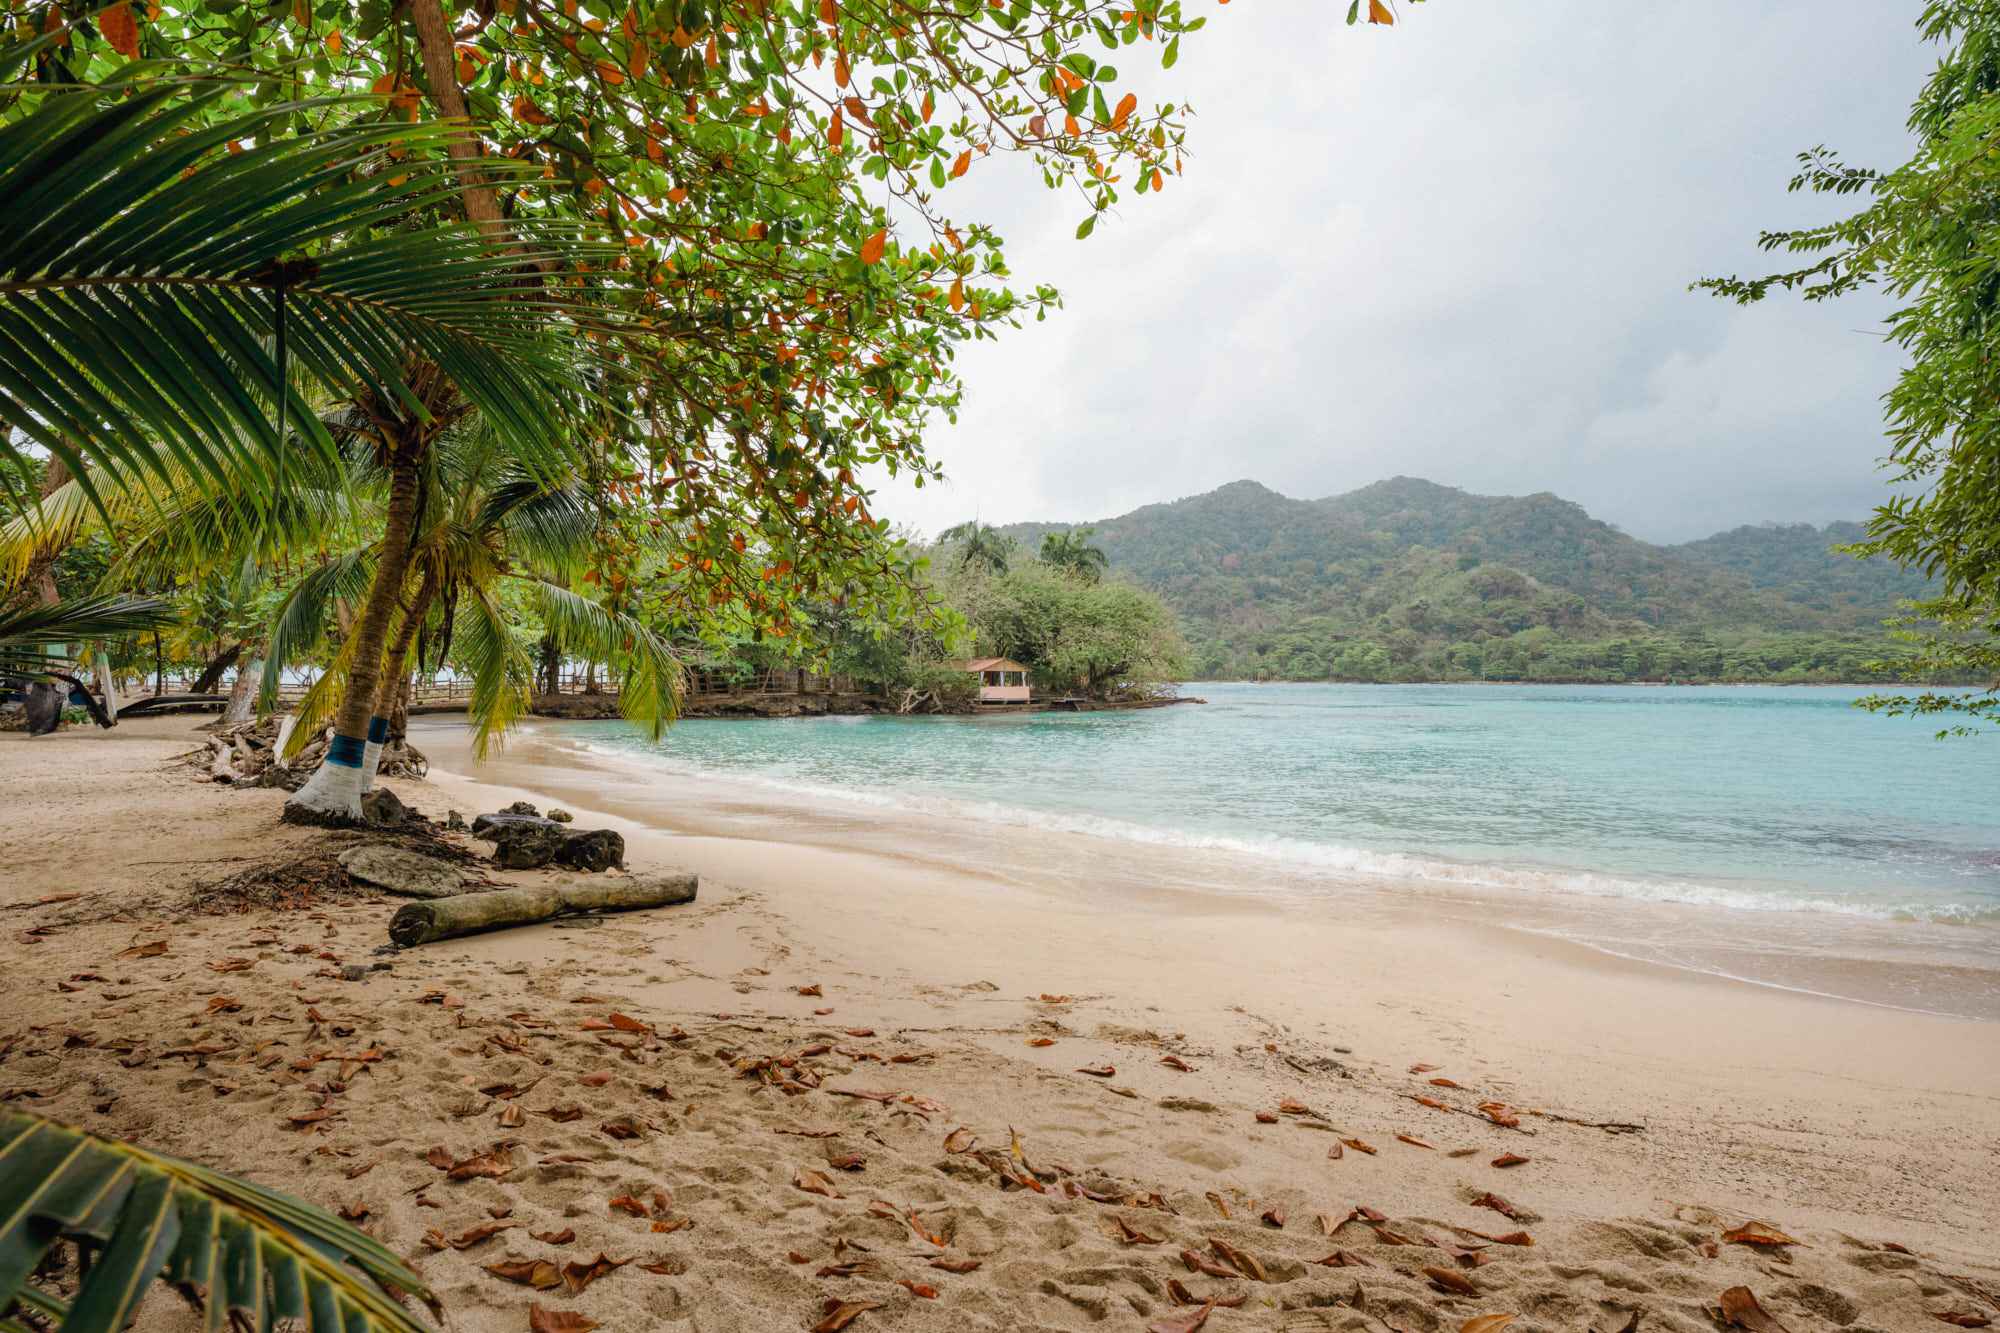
851 1161
577 1275
1498 1205
1267 1117
1757 1233
1175 1062
541 1320
354 1212
1184 1323
231 964
809 990
626 1203
1500 1114
1487 1323
472 1237
1343 1259
1740 1309
511 1116
1511 1238
1506 1159
596 1080
624 1127
960 1140
1359 1146
1423 1069
1450 1279
1335 1153
562 1115
951 1265
922 1291
490 1165
1041 1041
537 1273
1447 1083
1415 1142
1098 1071
150 949
837 1314
1962 1318
1125 1233
814 1182
563 1237
1274 1216
1198 1262
861 1032
1246 1264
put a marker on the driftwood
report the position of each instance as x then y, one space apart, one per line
470 913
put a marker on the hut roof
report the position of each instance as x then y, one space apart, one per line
991 664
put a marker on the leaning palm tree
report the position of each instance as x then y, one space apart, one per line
490 536
980 546
146 258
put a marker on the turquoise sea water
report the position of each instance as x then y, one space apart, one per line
1763 799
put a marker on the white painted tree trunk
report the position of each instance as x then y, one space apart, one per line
286 725
334 790
242 706
371 758
107 686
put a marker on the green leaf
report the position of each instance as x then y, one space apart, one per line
1085 227
153 1213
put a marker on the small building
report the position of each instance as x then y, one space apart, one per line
1001 680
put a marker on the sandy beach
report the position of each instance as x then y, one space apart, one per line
1285 1087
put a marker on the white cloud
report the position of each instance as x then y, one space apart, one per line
1457 250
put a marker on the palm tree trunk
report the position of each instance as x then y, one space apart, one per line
211 675
242 705
394 676
333 794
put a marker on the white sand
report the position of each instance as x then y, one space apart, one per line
1846 1126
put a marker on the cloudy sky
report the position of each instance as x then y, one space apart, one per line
1456 250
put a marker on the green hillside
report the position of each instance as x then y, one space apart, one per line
1409 580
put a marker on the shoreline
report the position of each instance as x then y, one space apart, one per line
1915 966
1657 1108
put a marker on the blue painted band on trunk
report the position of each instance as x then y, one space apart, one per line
346 751
378 729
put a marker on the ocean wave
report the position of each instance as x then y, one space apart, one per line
1328 859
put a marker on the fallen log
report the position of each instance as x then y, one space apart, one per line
470 913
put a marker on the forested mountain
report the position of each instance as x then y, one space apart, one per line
1407 579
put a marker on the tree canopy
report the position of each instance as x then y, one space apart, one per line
1924 236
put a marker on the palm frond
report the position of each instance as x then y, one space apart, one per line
654 679
139 265
298 626
247 1248
27 631
501 669
551 527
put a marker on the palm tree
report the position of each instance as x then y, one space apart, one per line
1072 551
36 637
144 269
491 535
980 545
